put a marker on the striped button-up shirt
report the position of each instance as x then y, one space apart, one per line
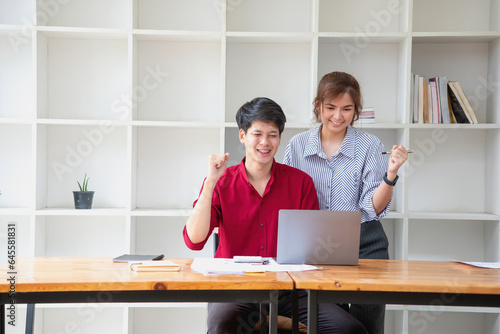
346 182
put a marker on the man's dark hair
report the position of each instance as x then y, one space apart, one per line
260 109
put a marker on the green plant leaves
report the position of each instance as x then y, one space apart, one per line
85 183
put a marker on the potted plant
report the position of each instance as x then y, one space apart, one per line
83 198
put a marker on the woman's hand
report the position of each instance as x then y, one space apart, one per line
398 157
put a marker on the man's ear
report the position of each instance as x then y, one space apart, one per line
242 136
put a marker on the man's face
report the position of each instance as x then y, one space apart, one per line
261 141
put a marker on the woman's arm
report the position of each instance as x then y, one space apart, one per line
383 194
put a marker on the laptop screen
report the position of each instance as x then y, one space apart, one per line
318 237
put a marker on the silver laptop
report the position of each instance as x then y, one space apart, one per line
318 237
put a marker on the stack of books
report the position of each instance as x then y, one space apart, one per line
367 116
440 101
162 265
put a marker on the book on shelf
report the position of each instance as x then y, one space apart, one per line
456 105
436 113
426 102
429 102
442 98
414 96
452 115
464 102
440 101
421 80
161 265
366 116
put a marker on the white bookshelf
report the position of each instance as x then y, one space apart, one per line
137 93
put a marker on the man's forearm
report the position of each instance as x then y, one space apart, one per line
198 224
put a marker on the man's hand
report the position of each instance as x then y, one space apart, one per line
217 164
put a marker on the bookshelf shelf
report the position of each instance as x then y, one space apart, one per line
137 93
16 13
197 15
177 35
14 211
360 38
70 211
161 213
107 240
268 37
473 243
450 37
82 122
82 33
81 13
458 20
468 127
480 216
247 16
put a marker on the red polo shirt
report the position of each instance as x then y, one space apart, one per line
248 223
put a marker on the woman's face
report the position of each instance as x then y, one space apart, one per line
337 114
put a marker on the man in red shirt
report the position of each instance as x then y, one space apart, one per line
243 201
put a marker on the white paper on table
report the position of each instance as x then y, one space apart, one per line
490 265
223 266
276 267
227 266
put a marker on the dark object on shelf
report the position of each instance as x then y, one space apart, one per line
83 199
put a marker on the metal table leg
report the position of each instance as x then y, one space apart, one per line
312 315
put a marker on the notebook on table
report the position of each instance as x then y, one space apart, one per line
318 237
137 258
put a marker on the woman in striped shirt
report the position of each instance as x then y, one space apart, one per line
348 172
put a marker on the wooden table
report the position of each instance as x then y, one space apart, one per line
399 282
78 280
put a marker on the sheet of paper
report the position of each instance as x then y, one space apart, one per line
223 266
275 267
228 266
491 265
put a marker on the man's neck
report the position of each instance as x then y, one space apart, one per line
258 175
258 172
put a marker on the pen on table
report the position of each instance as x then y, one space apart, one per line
407 151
